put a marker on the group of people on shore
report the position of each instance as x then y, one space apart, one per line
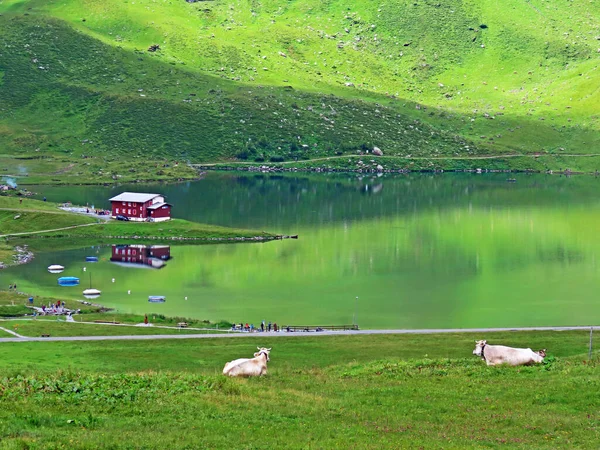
54 308
250 328
98 212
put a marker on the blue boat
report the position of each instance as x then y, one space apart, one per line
68 281
157 299
91 258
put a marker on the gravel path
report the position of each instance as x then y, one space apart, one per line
285 334
84 211
11 332
47 231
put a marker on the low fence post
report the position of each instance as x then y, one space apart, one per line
591 337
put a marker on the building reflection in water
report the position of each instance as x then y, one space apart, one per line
142 256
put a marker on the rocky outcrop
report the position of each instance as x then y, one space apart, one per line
21 255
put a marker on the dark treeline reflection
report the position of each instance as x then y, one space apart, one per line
281 202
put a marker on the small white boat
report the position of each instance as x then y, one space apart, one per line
55 268
92 292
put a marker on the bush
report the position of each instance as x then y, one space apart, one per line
244 154
277 158
263 142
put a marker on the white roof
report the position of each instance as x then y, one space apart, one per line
157 205
137 197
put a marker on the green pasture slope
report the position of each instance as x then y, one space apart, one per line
267 80
375 392
31 216
34 215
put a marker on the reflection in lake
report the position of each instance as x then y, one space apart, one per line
144 256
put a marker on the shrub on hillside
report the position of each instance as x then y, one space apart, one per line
243 154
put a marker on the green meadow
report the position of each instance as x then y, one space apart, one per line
264 82
333 392
30 216
84 327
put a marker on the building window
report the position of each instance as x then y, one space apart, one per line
117 211
128 211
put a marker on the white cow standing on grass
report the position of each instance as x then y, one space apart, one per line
499 354
249 367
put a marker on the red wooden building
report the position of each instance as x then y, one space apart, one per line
141 207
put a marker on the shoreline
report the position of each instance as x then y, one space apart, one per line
46 225
263 335
25 256
266 168
21 255
366 163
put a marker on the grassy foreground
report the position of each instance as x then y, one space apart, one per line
83 327
340 392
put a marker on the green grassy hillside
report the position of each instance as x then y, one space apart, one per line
300 80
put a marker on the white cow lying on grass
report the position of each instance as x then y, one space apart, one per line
245 367
499 354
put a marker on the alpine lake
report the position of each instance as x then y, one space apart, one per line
382 251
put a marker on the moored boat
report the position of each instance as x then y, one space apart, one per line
68 281
157 299
92 292
55 268
91 258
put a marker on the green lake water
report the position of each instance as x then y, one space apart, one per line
404 251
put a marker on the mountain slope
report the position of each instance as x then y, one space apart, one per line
261 79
